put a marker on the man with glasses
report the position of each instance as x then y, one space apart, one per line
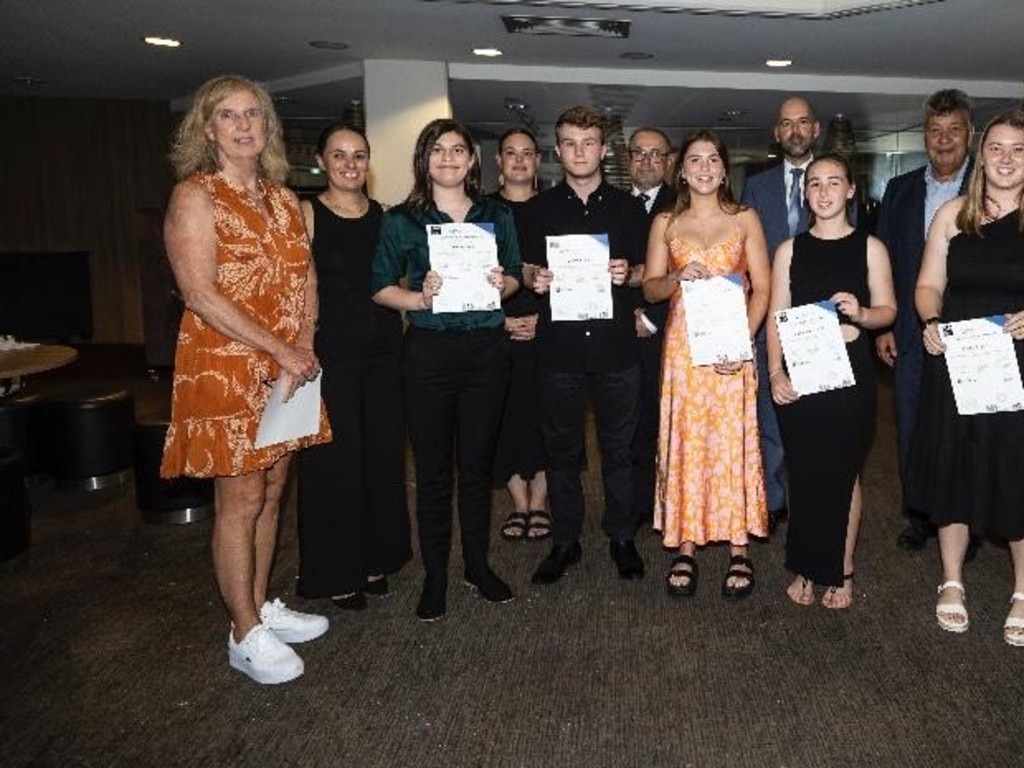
594 359
909 203
649 155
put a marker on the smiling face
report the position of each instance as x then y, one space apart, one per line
946 139
797 129
703 169
828 188
346 160
518 160
581 151
1002 154
450 161
238 128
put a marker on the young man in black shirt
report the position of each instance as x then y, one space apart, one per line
588 359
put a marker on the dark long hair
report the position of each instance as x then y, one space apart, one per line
422 195
972 214
725 197
335 127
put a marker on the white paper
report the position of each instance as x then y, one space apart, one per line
299 417
581 288
463 255
982 366
716 320
812 343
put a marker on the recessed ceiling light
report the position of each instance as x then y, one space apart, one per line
779 62
163 42
636 56
488 52
328 45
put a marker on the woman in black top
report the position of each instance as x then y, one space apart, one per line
827 435
353 519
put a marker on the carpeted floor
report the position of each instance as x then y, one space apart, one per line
112 653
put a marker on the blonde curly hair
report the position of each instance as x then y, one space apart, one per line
193 152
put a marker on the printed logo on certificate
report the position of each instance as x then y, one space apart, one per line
581 288
463 255
813 346
982 365
716 320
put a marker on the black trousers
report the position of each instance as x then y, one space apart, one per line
645 442
615 399
454 392
353 518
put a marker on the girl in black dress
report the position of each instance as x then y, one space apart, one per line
353 519
826 435
965 471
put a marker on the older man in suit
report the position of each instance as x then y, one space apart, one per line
907 208
649 154
778 197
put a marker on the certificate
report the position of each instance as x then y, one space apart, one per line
463 255
816 356
299 417
716 320
982 366
582 286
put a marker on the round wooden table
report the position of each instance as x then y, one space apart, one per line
15 363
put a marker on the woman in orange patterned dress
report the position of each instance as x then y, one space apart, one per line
240 255
710 484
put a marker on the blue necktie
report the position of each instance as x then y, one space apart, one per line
795 201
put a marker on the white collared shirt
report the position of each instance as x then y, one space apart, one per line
651 193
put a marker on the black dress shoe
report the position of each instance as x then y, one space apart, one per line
488 585
553 567
627 559
377 587
354 602
433 600
776 516
913 538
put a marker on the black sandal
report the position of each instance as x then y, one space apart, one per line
740 567
514 527
688 571
539 526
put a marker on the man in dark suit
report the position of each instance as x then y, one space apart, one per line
907 208
777 195
649 153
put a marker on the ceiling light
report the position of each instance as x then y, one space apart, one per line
163 42
779 63
562 25
488 52
328 45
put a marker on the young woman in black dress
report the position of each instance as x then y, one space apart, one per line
826 435
353 518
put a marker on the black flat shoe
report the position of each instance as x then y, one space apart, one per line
354 602
433 601
627 560
683 567
554 566
378 587
488 585
740 567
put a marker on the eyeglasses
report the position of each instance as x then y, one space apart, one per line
231 116
654 155
456 150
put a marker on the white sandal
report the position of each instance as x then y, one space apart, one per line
1011 637
952 617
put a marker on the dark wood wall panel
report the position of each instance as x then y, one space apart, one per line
76 175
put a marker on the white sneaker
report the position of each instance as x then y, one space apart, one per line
291 626
263 657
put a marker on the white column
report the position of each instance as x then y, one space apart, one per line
401 97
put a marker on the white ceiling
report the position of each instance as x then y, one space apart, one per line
875 67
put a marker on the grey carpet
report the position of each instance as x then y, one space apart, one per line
112 653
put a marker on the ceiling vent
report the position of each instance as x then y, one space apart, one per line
566 27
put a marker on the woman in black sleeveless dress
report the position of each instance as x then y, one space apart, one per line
826 435
353 519
966 471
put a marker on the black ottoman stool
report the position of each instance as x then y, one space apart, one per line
19 428
87 435
14 505
179 500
